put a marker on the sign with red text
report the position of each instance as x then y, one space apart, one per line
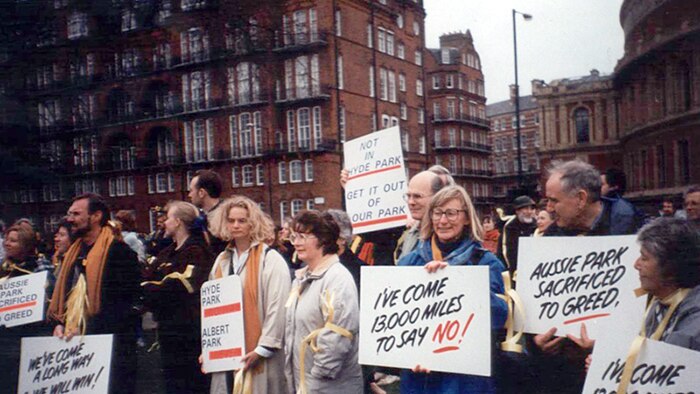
659 368
376 181
22 299
54 365
568 281
441 321
223 338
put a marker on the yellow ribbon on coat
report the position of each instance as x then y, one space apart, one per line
243 382
514 303
672 301
181 276
327 299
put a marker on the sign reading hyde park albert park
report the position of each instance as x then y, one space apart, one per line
564 282
376 181
441 321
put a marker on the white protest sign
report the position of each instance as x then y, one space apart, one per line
223 339
441 321
52 365
659 368
22 299
376 181
566 281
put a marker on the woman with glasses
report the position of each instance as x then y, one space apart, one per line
450 235
321 344
265 282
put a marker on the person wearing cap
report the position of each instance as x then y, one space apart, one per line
522 224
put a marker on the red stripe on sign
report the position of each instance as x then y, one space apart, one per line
378 221
222 310
225 353
18 306
578 319
446 349
374 172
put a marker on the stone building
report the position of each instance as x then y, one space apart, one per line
131 98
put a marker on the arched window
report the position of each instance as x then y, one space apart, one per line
581 117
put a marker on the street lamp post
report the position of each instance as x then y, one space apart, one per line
526 17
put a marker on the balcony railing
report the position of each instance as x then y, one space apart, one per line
464 145
289 41
318 92
322 145
473 173
460 118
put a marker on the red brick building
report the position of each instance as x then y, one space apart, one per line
458 129
130 99
658 84
504 140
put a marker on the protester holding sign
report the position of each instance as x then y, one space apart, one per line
172 294
321 344
20 259
265 278
669 269
450 235
98 287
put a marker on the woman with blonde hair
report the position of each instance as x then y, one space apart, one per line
451 234
265 282
172 294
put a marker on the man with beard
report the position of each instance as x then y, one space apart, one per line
523 224
97 288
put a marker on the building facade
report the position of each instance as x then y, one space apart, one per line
658 83
504 139
130 99
458 128
579 120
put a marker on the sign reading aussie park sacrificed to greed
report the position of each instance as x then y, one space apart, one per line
660 368
376 181
441 321
223 339
22 299
52 365
566 281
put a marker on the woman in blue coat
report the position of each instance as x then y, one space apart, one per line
450 235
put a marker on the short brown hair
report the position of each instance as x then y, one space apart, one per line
127 219
209 181
322 226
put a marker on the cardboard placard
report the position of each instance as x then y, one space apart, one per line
566 281
441 321
22 299
54 365
660 367
223 337
376 181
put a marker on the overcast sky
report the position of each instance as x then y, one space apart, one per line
565 38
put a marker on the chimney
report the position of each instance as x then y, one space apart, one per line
512 94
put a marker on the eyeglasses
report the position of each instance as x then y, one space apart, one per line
414 196
452 214
303 237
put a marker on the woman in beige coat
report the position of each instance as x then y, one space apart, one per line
246 228
322 320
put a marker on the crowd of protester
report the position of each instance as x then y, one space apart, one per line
301 281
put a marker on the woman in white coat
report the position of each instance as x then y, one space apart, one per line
265 281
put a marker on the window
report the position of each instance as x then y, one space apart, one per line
318 133
199 140
162 56
404 140
436 110
436 82
419 88
243 83
341 81
390 43
234 176
194 45
341 126
151 186
371 81
77 25
297 205
416 28
164 10
259 174
188 5
161 182
128 20
400 51
404 111
370 40
445 55
284 210
247 175
402 82
421 116
582 125
399 21
309 169
302 77
449 82
85 149
381 40
295 171
304 126
196 90
282 172
338 23
310 204
437 137
683 164
422 146
419 58
451 109
49 113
